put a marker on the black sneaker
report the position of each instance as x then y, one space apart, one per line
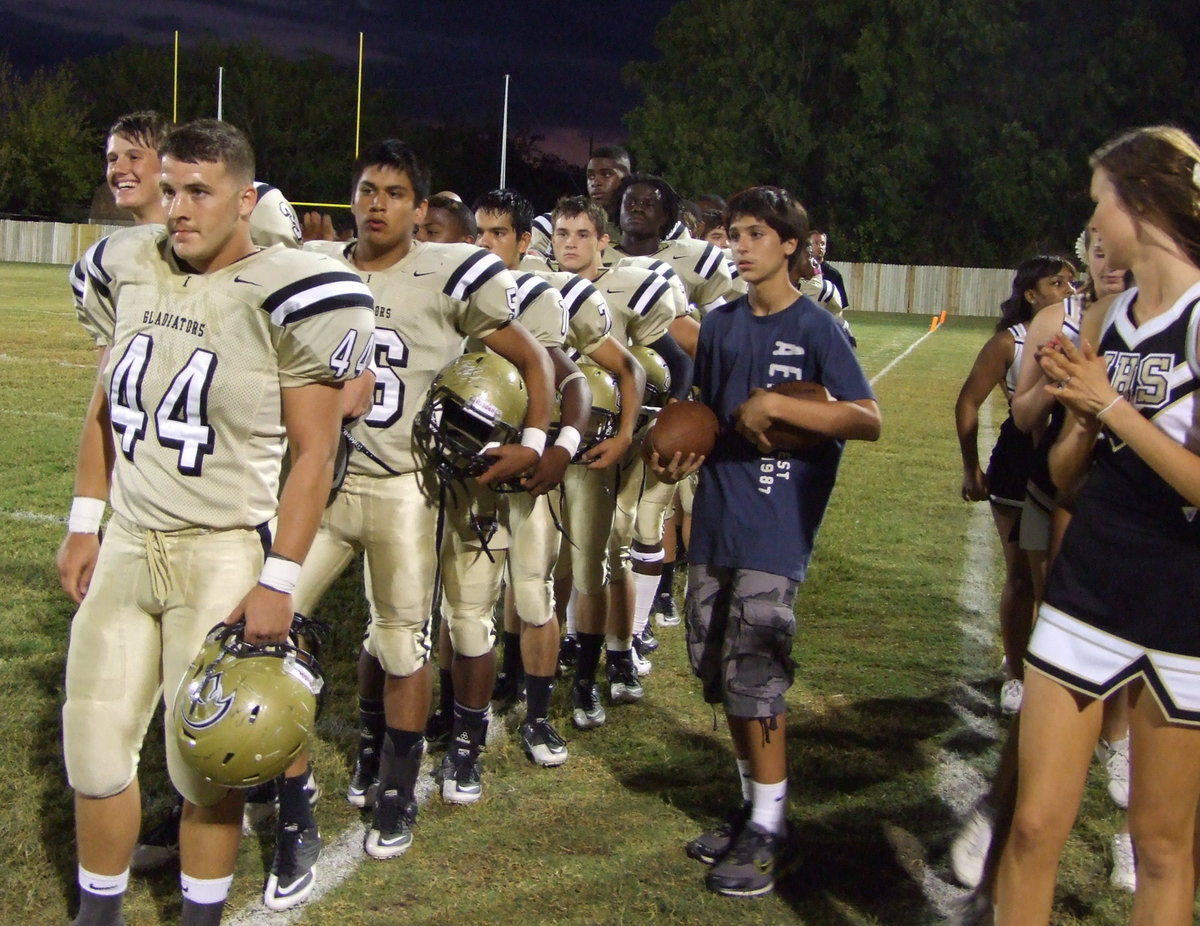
711 845
568 649
664 611
160 845
646 642
395 810
392 821
542 743
509 689
438 727
460 774
365 780
588 712
748 868
623 684
294 867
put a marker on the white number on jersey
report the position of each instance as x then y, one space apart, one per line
125 394
391 354
180 418
339 362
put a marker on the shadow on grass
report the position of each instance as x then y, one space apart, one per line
856 773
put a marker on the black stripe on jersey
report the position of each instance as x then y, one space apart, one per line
262 189
298 301
676 231
542 224
95 269
472 273
76 279
529 288
653 289
707 265
662 268
575 293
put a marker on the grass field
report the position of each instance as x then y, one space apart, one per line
892 723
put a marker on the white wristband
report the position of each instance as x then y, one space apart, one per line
1108 408
279 574
569 439
534 439
85 515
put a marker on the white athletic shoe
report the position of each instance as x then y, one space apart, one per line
1124 870
1011 694
969 850
642 665
1114 757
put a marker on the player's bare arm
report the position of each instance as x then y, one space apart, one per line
312 416
1030 405
576 409
856 420
358 395
988 371
631 385
76 559
686 332
516 345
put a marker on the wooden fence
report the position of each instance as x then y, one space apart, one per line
872 287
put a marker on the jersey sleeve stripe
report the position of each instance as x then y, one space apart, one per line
676 231
471 274
76 279
262 189
709 260
529 288
575 293
653 289
94 269
542 224
313 295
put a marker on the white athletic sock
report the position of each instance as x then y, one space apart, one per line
201 891
769 808
744 776
644 589
103 885
617 644
572 602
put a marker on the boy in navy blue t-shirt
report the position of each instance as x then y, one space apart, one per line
756 513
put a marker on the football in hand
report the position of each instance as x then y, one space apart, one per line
789 436
685 428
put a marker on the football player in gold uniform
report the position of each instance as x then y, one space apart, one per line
218 351
428 299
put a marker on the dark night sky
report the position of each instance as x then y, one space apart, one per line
448 56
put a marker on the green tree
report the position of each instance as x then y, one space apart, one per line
936 133
47 152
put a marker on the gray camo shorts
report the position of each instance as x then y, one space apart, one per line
740 627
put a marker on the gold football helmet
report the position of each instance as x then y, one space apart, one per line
478 400
244 711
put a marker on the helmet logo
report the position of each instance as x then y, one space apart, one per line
207 703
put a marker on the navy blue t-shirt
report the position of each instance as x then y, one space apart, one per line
756 511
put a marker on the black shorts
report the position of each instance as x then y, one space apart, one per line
1008 469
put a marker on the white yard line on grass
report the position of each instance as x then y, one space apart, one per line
35 517
913 346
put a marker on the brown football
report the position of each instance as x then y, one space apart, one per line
683 427
788 436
